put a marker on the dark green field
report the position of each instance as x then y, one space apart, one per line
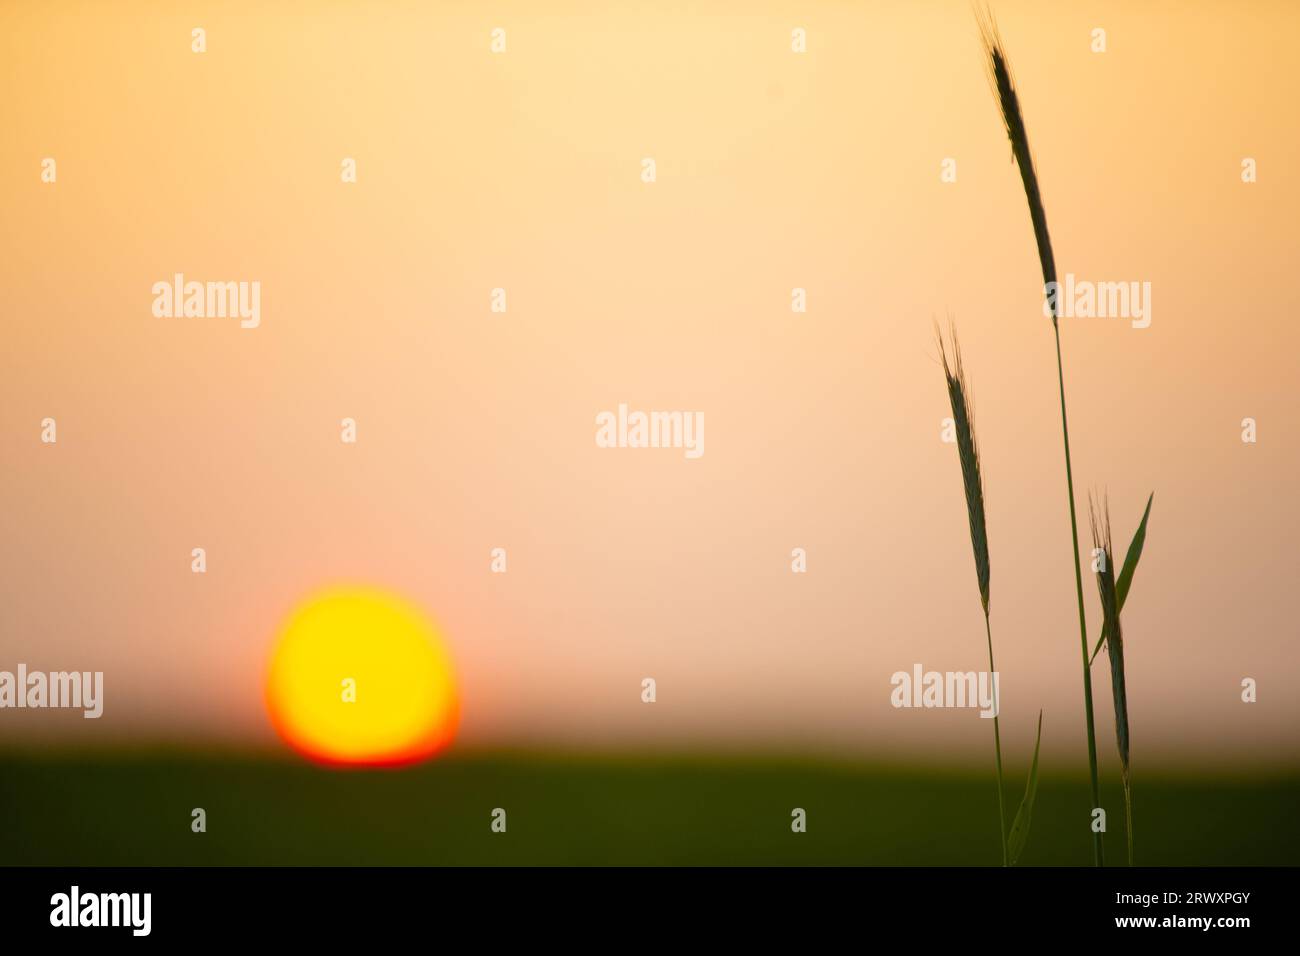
593 810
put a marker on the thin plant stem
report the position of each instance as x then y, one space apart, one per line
1098 851
997 744
1128 817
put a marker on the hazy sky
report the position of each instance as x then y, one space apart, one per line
522 170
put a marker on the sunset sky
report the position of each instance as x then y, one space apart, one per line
522 170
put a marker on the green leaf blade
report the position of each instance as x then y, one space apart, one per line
1125 579
1020 827
1134 555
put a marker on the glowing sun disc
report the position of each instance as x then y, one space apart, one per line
362 677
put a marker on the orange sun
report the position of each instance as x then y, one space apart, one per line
360 677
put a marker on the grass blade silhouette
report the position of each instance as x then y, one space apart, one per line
972 480
1009 102
1020 827
1125 579
1108 591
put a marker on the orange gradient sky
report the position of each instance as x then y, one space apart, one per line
476 430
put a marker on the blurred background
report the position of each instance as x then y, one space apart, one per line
521 170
